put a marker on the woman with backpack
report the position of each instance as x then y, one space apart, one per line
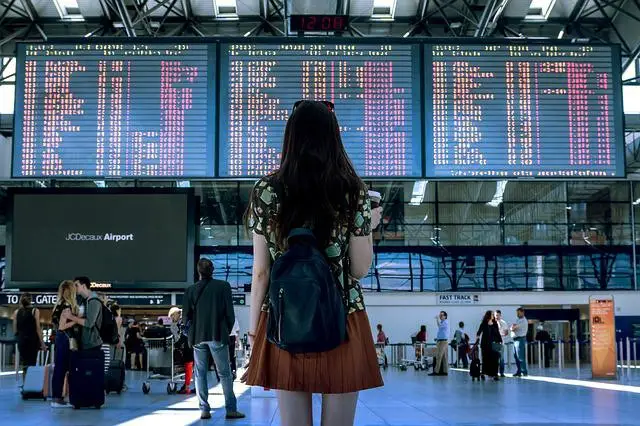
312 216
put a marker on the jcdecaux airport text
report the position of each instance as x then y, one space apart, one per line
75 236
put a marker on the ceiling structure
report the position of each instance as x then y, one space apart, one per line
604 20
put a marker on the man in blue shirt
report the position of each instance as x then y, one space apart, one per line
442 346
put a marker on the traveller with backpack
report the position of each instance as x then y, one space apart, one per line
208 308
311 221
86 377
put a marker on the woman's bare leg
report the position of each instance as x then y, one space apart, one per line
339 409
295 408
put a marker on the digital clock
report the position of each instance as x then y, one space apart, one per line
302 23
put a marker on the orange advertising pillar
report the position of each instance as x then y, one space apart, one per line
603 337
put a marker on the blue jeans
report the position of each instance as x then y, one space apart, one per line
62 364
220 354
519 346
501 363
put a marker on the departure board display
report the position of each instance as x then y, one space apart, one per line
114 110
375 89
516 110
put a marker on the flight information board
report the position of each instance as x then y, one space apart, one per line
515 110
113 109
375 89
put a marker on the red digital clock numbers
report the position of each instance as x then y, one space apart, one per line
302 23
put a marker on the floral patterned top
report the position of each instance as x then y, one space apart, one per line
264 209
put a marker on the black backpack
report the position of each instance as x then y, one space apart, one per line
306 308
108 328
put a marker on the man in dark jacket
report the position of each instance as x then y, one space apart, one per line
209 308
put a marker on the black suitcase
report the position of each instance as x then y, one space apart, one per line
114 379
86 379
474 369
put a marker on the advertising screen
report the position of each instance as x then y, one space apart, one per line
118 240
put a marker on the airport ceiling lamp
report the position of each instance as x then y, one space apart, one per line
226 9
383 10
539 10
69 10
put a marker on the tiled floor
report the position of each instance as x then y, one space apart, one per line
408 398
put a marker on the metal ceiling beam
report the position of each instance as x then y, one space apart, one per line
16 34
632 58
10 5
485 18
613 27
186 8
126 19
165 15
139 7
147 13
7 10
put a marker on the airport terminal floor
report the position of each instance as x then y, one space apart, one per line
408 398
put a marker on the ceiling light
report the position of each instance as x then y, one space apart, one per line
69 10
539 10
383 10
636 202
225 8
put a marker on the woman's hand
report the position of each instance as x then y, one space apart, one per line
376 217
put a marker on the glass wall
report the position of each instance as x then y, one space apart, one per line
455 236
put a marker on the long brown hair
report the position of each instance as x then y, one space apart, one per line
318 185
489 315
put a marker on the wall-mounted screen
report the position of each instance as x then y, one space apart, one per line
523 110
114 110
375 89
124 239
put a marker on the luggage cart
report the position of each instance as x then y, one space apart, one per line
160 352
383 360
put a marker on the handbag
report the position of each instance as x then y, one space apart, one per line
496 347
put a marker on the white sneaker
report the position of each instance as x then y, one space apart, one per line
55 404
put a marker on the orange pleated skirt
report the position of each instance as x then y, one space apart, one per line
351 367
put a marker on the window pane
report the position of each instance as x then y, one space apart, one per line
467 213
393 192
219 202
219 235
594 191
470 235
631 99
535 213
234 268
535 192
7 97
538 234
466 191
598 271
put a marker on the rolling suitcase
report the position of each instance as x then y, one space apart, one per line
86 379
37 380
475 368
114 377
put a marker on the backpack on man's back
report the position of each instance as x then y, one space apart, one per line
108 328
307 312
